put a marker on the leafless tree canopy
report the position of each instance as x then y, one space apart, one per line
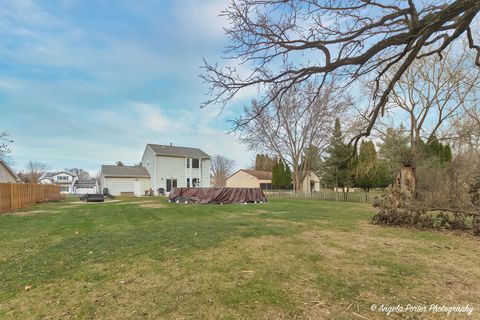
302 118
432 92
34 170
4 141
282 43
221 167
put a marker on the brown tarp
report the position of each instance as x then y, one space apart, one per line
217 195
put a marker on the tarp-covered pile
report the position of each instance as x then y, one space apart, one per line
217 195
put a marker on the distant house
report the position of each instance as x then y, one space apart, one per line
7 174
171 166
250 179
64 179
125 180
263 179
85 187
311 182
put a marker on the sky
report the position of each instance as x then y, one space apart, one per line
88 82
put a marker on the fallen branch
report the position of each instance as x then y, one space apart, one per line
469 213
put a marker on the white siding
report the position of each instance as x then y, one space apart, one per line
176 168
148 161
205 179
171 168
5 175
63 178
117 185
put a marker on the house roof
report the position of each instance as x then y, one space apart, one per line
49 175
124 171
185 152
10 170
260 175
85 183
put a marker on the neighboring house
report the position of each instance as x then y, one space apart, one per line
263 180
250 179
64 179
85 187
172 166
125 180
311 182
7 174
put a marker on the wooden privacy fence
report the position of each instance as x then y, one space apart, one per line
19 195
357 197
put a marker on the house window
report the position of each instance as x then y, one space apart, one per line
196 182
188 163
188 182
195 163
65 189
266 186
62 178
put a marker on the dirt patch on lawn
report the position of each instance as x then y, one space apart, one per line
153 205
76 203
28 213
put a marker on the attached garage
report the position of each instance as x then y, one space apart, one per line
85 187
125 180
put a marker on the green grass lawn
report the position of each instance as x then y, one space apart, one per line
293 259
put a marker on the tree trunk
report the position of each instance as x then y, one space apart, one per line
404 186
297 181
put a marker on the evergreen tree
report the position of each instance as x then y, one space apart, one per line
448 153
366 167
287 178
277 176
383 177
338 165
435 149
281 174
370 172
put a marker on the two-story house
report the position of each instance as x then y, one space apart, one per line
171 166
65 180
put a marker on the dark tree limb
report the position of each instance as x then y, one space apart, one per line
284 43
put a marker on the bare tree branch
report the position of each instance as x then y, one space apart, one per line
284 43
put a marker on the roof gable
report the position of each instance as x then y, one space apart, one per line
125 171
85 183
174 151
260 175
51 174
10 170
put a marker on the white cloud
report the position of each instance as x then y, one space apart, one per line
202 17
192 128
83 77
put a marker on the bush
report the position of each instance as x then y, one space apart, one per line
476 226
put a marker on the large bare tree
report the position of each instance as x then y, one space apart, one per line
282 43
4 141
34 170
221 167
432 92
428 97
302 118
